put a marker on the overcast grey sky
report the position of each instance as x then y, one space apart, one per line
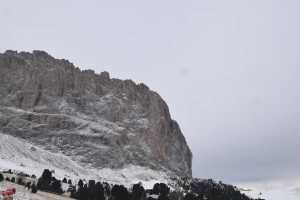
228 70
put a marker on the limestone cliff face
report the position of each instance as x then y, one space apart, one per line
96 120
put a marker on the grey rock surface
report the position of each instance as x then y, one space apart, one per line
96 120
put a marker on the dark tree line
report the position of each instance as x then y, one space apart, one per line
197 189
101 191
188 189
185 189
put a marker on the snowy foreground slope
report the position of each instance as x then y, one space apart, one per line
24 194
18 154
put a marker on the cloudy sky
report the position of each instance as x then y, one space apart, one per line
229 71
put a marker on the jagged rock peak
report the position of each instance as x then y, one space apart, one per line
92 118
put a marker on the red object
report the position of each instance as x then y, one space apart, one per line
9 191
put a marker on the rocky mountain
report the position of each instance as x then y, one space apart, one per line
94 120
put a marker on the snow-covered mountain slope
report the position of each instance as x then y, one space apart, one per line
18 154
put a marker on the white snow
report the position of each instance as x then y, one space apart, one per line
18 154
